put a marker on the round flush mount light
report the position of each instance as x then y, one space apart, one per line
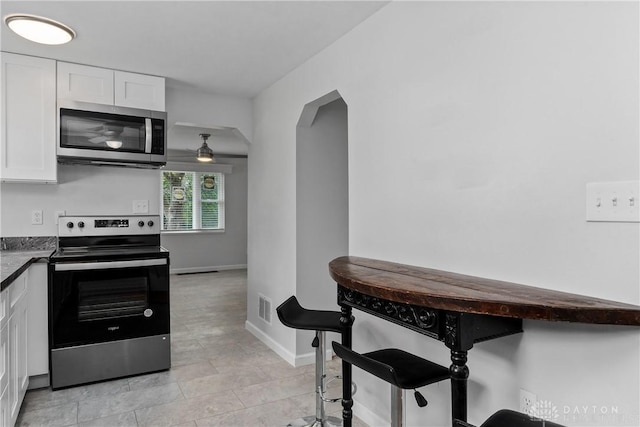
39 29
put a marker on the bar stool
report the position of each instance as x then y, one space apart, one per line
293 315
400 369
508 418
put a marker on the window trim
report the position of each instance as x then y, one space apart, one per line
196 202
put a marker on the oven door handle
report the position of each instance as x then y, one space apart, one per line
109 264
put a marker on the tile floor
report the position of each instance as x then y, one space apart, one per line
221 375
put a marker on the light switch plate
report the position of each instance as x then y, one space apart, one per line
613 201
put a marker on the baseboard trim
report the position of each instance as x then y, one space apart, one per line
368 416
291 358
38 381
207 269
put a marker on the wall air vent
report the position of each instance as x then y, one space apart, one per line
264 309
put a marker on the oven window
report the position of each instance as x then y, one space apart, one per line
109 299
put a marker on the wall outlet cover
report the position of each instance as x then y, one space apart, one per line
36 217
140 206
527 402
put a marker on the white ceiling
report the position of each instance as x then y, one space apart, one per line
226 47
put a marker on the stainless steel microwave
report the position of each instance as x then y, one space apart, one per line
110 135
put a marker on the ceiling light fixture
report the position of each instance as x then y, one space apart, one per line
205 154
39 29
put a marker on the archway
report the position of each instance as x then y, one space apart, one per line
322 203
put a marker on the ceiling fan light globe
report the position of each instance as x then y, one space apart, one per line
205 154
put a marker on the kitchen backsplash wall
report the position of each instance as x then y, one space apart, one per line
81 190
28 243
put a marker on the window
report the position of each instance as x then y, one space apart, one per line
192 200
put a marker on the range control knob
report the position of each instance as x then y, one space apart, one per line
81 224
150 223
141 223
69 224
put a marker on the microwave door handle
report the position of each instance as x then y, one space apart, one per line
148 135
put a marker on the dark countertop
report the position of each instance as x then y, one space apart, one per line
14 263
468 294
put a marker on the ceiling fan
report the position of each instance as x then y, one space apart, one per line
219 139
204 153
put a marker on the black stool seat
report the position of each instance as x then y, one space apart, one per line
509 418
506 417
293 315
397 367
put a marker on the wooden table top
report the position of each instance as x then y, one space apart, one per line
468 294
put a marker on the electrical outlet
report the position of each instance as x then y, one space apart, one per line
527 402
140 206
36 217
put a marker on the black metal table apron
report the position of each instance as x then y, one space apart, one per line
458 330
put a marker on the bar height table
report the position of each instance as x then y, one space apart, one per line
457 309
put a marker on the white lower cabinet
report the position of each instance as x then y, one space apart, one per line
18 378
4 374
37 327
24 343
4 408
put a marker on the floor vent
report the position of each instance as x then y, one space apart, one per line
264 311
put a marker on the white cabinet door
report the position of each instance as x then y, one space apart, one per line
37 331
18 324
105 86
4 361
4 407
4 307
28 119
139 91
4 358
84 83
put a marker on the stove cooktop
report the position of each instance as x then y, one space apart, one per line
108 253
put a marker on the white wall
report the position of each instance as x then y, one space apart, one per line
206 109
473 129
322 217
92 190
81 190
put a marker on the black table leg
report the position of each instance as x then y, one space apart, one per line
459 374
346 321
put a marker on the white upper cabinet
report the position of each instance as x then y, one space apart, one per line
84 83
139 91
27 119
103 86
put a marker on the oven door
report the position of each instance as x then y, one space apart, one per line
94 302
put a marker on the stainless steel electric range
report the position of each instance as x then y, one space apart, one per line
108 299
